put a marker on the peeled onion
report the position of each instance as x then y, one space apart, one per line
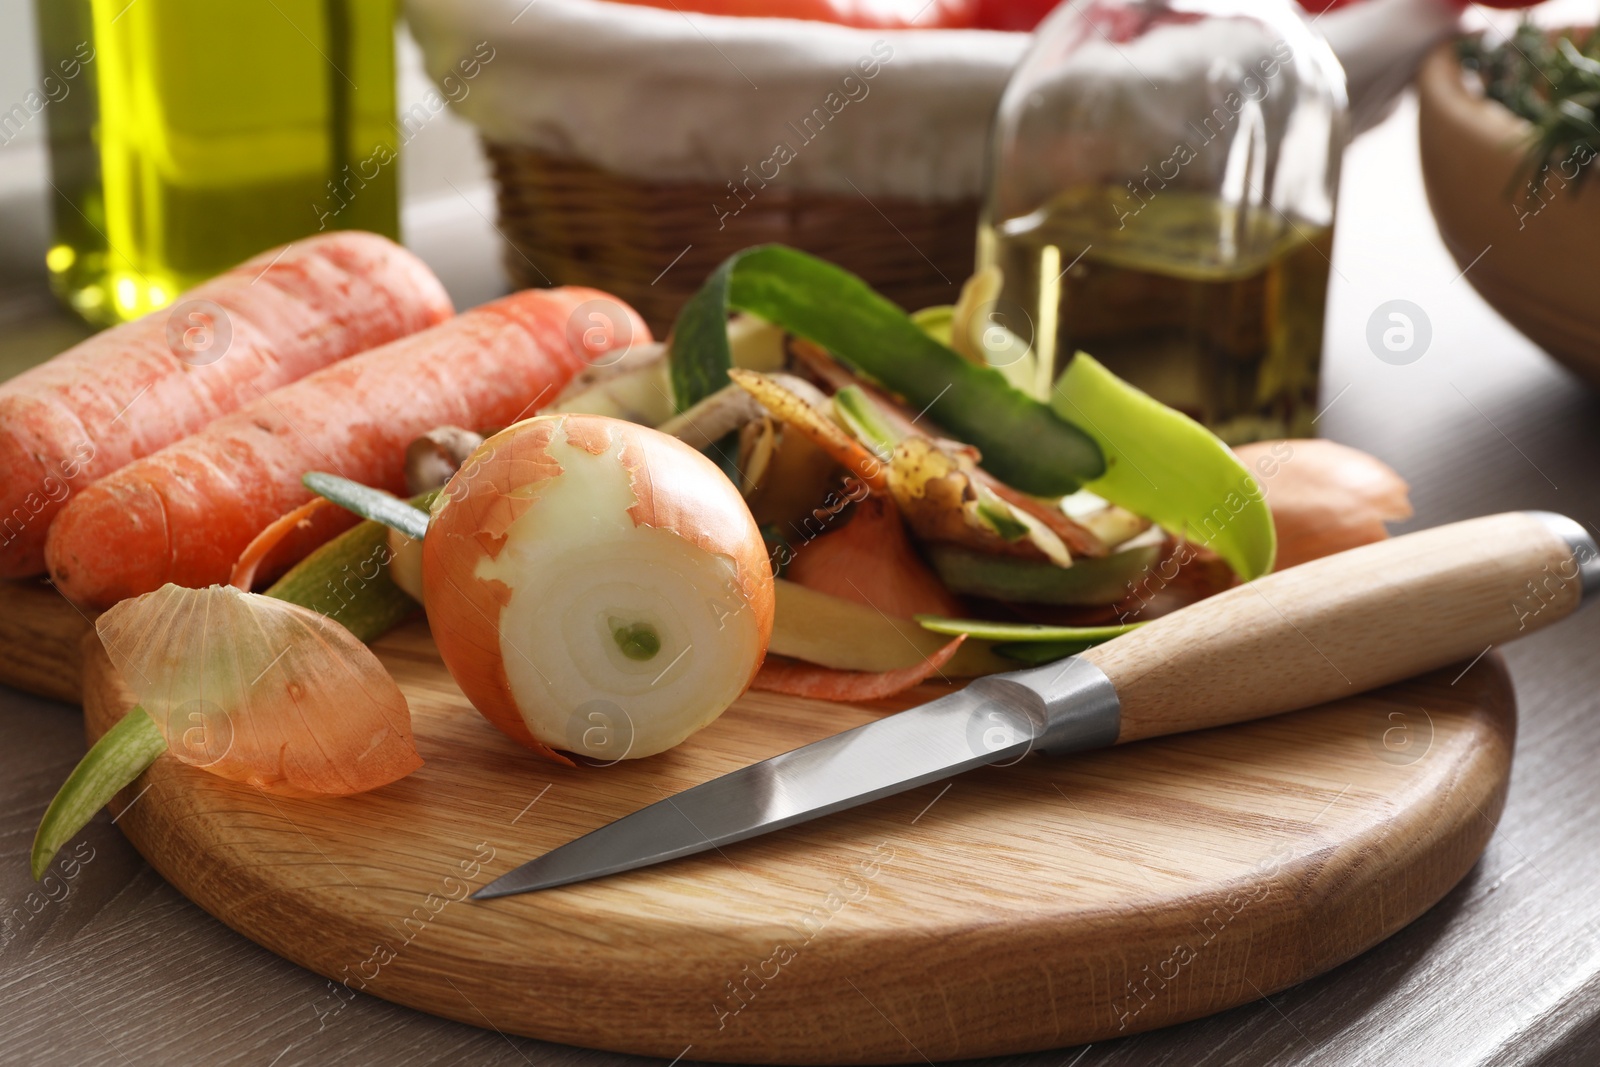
596 587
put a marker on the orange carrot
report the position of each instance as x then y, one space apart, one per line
185 513
140 386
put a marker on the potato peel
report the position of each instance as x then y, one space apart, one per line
941 500
793 411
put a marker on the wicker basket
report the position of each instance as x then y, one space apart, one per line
653 244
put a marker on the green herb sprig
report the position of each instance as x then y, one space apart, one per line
1553 81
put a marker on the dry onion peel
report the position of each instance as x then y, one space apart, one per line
261 691
595 586
1325 497
347 580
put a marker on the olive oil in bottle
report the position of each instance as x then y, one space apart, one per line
1212 308
197 134
1160 194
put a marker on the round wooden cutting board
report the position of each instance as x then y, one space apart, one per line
1011 909
41 634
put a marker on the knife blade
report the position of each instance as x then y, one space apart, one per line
996 719
1333 627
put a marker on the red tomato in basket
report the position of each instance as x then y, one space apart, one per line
1017 15
1024 15
873 14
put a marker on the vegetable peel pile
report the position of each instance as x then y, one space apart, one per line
876 499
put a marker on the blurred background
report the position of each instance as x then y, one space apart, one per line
446 215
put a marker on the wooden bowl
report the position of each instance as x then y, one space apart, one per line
1543 251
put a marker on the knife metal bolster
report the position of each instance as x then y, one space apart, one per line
1585 554
1070 704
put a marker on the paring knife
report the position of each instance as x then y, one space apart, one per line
1323 630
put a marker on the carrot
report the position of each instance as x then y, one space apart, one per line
138 387
186 513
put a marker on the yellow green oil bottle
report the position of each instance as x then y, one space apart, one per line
1213 308
200 133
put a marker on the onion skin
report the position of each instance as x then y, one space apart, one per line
261 691
1325 497
674 488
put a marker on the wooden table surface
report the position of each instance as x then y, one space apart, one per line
118 968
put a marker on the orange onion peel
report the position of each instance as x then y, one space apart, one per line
260 691
1324 497
825 683
596 587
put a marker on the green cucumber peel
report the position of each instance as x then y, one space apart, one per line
346 579
1034 653
369 503
1165 466
1090 581
120 756
1024 632
1024 443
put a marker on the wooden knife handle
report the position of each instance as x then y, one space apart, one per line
1349 622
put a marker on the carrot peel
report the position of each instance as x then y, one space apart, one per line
250 560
